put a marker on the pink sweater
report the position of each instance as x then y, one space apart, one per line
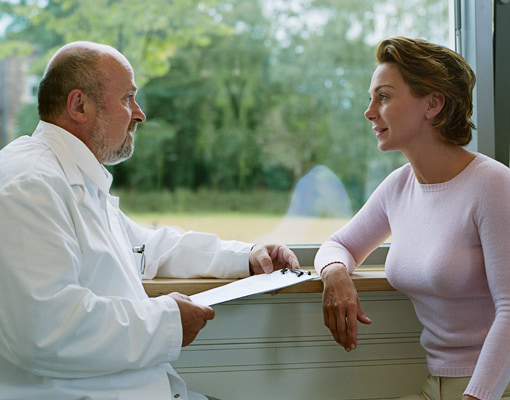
450 253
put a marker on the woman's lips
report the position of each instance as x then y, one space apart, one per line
379 131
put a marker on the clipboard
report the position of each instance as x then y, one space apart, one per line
256 284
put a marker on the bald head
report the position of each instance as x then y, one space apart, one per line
75 49
76 65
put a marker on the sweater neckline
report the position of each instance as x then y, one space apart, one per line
436 187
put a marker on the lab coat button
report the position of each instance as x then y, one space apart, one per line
177 396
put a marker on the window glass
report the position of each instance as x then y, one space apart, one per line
255 126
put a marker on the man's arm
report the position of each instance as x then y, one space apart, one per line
63 314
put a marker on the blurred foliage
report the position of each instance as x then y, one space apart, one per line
147 33
240 95
206 201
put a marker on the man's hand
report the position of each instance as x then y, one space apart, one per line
341 306
270 257
193 317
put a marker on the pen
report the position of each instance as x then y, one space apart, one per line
141 250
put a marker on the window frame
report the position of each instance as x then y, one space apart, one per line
501 80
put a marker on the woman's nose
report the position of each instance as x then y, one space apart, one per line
370 113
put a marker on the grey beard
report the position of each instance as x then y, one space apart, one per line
112 156
116 156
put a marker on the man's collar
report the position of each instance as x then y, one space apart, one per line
74 156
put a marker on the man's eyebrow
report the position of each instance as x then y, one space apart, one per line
131 88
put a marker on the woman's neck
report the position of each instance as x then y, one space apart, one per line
440 162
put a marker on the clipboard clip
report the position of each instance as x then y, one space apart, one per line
298 272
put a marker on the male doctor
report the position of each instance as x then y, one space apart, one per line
75 321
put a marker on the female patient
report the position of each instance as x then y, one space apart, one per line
448 212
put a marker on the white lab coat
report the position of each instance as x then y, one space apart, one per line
75 321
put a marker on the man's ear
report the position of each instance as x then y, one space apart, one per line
436 104
77 105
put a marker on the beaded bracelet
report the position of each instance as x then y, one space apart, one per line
331 263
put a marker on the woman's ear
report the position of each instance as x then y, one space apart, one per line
77 105
436 104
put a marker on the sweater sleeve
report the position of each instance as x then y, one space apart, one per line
492 372
352 243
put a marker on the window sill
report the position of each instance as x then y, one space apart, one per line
368 278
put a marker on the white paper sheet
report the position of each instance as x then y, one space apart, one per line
255 284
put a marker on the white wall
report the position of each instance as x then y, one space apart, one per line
276 347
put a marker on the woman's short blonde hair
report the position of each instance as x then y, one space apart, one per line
429 68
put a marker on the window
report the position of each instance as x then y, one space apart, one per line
255 126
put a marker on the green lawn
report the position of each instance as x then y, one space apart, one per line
248 227
256 216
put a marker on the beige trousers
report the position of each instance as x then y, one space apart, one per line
436 388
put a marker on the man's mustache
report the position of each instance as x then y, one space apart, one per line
132 127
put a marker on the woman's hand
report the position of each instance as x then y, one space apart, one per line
341 306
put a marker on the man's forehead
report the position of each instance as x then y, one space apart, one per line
119 71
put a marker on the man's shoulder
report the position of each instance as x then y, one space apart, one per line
26 158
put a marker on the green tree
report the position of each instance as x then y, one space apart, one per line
324 60
148 33
241 93
213 97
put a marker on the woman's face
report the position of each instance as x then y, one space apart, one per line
398 118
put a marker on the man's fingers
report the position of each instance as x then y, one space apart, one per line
208 313
284 257
267 258
194 317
